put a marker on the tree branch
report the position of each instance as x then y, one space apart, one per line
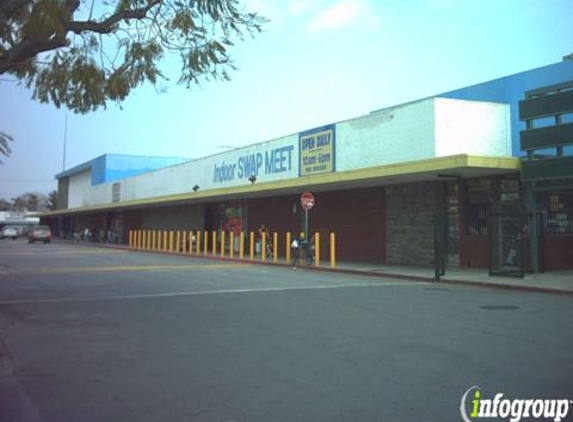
28 49
108 25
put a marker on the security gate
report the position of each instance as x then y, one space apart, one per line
507 228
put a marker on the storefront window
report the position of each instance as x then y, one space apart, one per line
557 212
509 190
479 192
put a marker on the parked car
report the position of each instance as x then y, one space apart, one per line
40 234
8 231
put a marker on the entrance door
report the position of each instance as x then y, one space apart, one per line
506 251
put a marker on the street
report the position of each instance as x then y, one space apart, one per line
96 334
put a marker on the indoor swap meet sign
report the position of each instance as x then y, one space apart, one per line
317 150
277 160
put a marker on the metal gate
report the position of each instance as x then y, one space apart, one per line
506 231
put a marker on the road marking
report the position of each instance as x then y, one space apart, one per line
202 293
123 268
76 252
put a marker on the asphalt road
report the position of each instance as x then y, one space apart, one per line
91 334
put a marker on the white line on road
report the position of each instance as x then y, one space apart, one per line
199 293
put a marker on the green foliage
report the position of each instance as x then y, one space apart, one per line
30 201
52 200
5 149
68 57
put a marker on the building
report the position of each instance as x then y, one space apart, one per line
392 184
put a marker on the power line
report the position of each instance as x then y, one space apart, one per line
28 181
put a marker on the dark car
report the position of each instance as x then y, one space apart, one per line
40 234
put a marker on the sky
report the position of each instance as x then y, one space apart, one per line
317 62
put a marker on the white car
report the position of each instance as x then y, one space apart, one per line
9 232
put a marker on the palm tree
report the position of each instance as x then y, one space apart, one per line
52 201
5 150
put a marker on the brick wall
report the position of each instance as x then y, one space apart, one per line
409 227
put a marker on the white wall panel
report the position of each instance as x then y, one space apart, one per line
472 127
79 186
395 135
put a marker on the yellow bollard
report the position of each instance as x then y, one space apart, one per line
149 239
152 239
214 242
170 241
165 243
264 246
317 249
139 239
232 244
177 240
275 247
332 250
252 245
184 241
287 248
198 241
206 241
130 239
222 243
241 245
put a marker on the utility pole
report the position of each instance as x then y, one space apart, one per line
65 142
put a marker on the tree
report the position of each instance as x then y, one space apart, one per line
5 140
52 200
5 205
30 201
83 53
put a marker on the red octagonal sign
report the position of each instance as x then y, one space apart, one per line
307 201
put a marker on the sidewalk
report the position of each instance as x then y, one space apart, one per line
560 282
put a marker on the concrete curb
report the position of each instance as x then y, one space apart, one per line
338 270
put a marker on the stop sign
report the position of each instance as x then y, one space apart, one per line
307 201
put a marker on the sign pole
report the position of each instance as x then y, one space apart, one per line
306 224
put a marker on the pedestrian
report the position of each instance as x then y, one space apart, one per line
267 243
299 246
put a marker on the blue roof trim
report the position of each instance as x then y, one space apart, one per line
110 167
79 168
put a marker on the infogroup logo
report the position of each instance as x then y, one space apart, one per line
512 409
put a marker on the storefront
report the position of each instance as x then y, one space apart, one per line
391 184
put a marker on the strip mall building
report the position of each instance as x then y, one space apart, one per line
483 171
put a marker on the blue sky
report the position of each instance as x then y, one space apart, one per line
317 62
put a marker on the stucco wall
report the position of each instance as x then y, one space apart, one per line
79 186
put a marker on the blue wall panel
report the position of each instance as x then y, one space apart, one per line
98 170
123 166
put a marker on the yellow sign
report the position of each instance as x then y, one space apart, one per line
317 151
